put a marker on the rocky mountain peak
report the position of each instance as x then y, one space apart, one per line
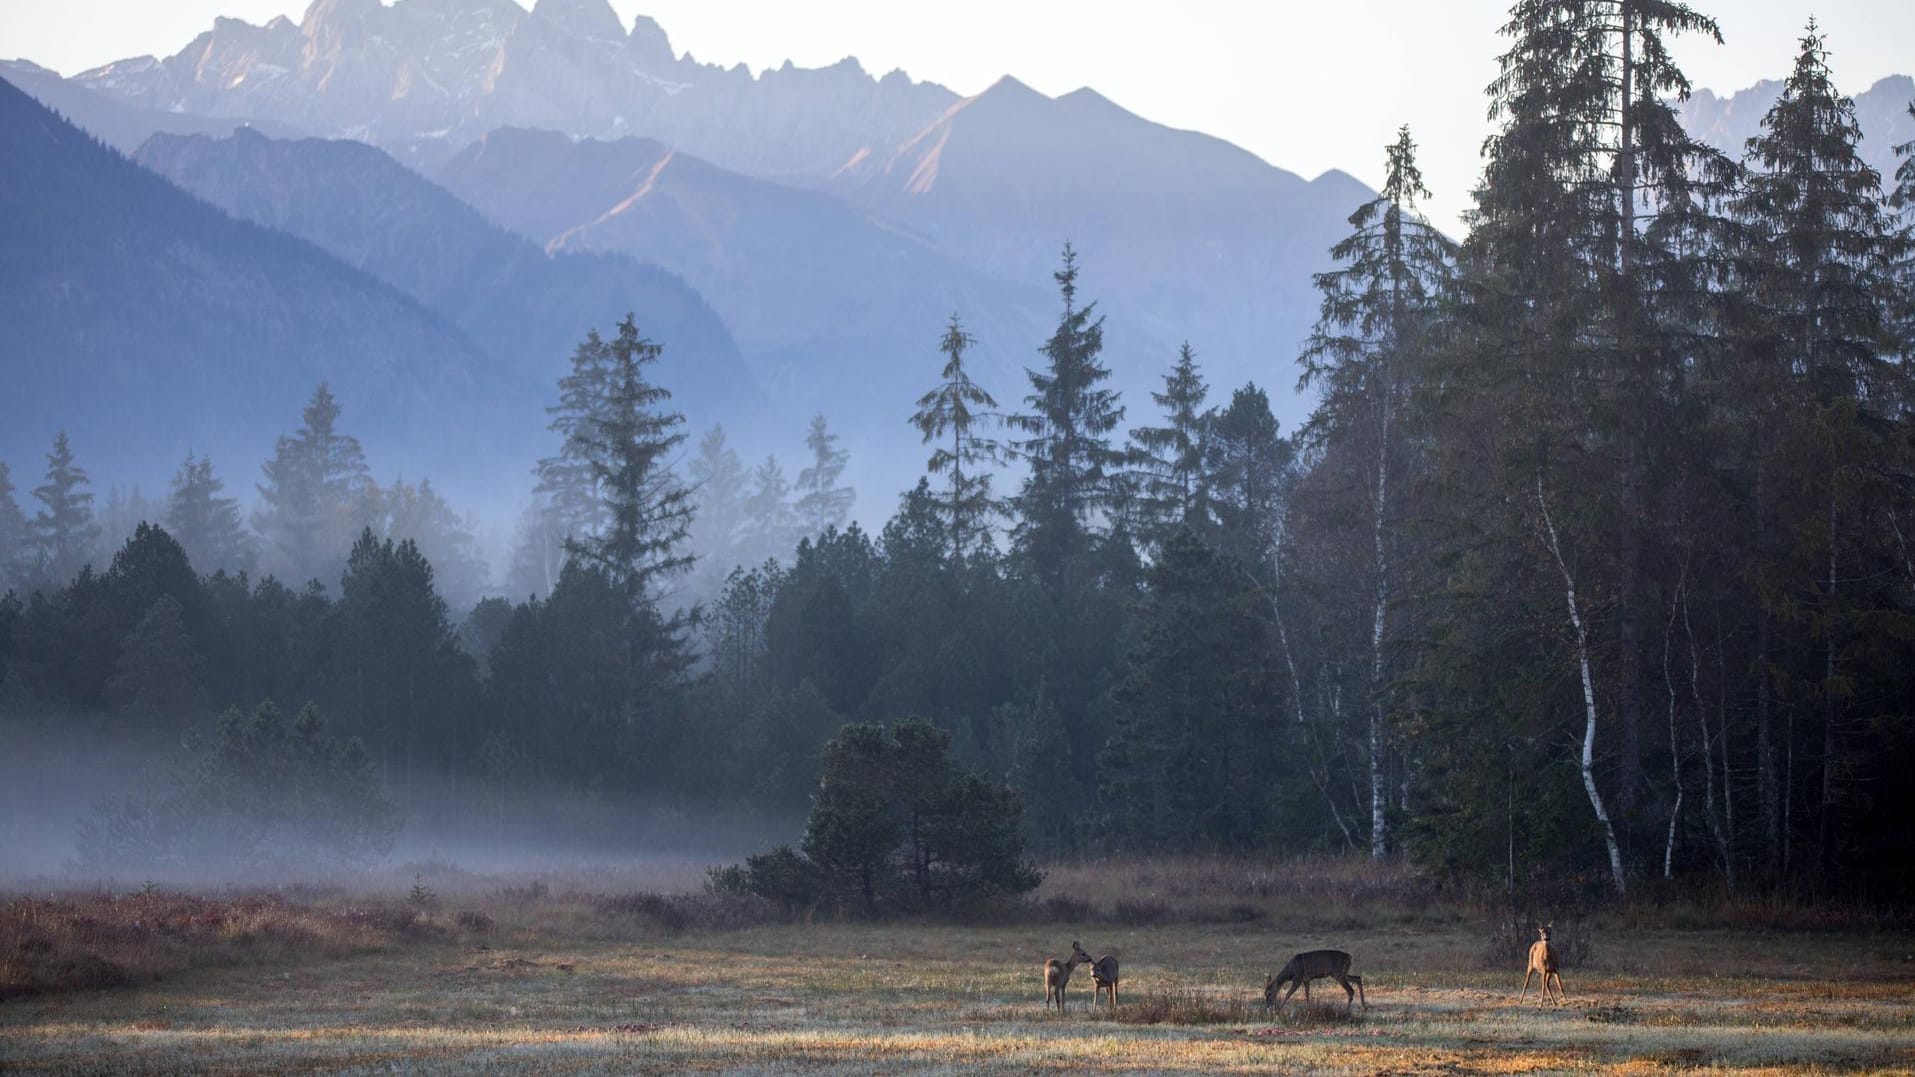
593 19
649 44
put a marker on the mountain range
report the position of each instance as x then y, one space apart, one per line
150 324
454 190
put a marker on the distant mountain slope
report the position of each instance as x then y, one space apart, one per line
427 76
526 308
1184 236
1882 111
833 309
117 123
148 323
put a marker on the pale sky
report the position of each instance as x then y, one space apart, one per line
1307 87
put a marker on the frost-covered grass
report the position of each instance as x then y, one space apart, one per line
562 984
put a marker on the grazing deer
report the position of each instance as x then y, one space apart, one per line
1314 965
1103 977
1542 958
1058 973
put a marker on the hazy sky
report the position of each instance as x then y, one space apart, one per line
1305 86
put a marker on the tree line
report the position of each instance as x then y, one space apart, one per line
1592 557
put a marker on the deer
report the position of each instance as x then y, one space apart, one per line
1542 958
1103 977
1314 965
1057 974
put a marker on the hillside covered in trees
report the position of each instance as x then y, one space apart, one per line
1592 562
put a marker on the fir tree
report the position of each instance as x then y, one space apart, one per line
627 448
315 497
1072 463
64 534
203 522
1171 488
1816 278
771 527
952 408
418 512
719 489
822 503
1371 345
568 482
157 674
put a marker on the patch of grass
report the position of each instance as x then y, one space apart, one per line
1184 1006
107 940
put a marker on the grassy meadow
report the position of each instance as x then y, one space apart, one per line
466 974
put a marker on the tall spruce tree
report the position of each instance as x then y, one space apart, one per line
822 503
65 537
1373 340
1170 457
204 523
1830 408
1584 279
316 496
719 488
952 408
568 483
627 449
419 512
771 526
1072 462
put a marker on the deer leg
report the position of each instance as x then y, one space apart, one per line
1527 973
1561 995
1358 980
1292 991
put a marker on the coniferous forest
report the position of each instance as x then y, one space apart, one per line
1593 560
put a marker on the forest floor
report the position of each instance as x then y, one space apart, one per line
541 983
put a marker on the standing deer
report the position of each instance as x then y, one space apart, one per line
1314 965
1103 977
1058 973
1542 958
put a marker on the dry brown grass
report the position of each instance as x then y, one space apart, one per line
576 981
109 940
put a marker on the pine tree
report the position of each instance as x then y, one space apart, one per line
771 527
951 408
204 523
1072 463
157 674
316 495
17 555
1368 352
124 511
822 503
627 448
1584 282
400 678
1817 277
568 482
65 536
719 490
1171 489
420 513
1247 463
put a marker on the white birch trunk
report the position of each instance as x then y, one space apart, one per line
1588 761
1379 795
